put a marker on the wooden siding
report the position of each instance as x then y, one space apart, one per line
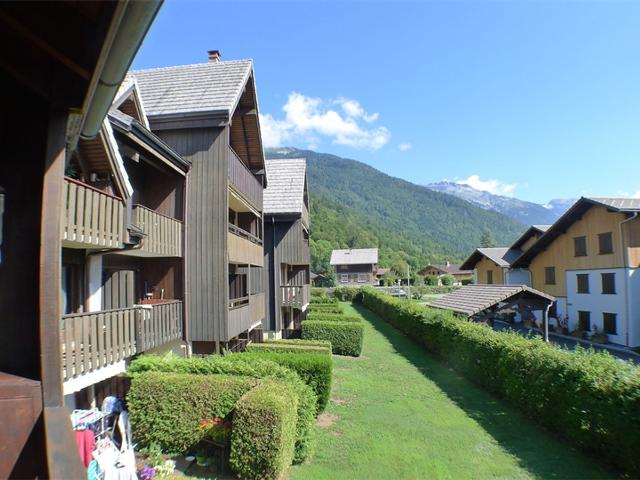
244 182
244 251
90 217
206 232
530 241
483 266
560 254
257 308
163 235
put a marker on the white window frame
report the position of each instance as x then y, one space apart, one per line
344 278
363 278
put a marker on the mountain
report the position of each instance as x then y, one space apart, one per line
526 212
355 205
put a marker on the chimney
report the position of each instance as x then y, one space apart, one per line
214 56
448 264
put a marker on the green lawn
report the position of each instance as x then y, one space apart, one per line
397 413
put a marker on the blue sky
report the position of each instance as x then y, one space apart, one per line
539 100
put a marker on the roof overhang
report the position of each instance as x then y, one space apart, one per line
474 258
200 119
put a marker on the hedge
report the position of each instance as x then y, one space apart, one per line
333 317
323 299
315 369
245 366
348 294
345 337
298 341
166 408
264 432
592 399
319 291
318 307
288 347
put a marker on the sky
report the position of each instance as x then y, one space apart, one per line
537 100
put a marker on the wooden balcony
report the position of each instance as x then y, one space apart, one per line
245 312
95 340
295 296
91 217
163 235
243 247
244 182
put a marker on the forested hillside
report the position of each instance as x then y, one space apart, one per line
354 205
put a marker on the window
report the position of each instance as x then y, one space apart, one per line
608 283
584 321
609 322
582 280
550 275
605 243
580 246
363 278
344 278
489 277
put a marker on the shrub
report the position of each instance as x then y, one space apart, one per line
333 317
263 434
318 291
315 369
245 366
323 299
345 337
319 307
299 341
288 347
347 294
447 280
431 280
592 399
166 408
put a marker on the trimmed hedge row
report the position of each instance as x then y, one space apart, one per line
264 431
242 365
166 408
333 317
319 307
345 337
348 294
590 398
315 369
298 341
288 347
323 299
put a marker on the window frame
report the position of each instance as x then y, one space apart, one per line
548 270
588 289
344 278
489 277
587 313
363 278
576 253
608 235
611 275
611 316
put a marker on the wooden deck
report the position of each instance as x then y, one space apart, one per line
163 235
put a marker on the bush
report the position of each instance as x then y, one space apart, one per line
299 341
590 398
447 280
319 307
347 294
318 291
323 299
333 317
245 366
166 408
288 347
315 369
264 432
345 337
431 280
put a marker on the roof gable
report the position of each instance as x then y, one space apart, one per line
286 180
501 256
354 256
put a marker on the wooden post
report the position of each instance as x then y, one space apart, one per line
545 321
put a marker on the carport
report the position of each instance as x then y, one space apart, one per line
484 302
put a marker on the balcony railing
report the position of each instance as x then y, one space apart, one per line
295 296
163 235
94 340
244 234
244 181
238 302
91 217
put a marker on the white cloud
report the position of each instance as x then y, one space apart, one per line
307 119
492 186
636 195
405 146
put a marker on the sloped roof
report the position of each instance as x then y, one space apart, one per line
285 186
212 87
472 299
501 256
530 232
575 212
450 268
354 256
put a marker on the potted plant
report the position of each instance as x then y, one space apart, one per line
202 457
577 333
599 337
216 430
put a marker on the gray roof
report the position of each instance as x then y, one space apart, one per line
616 203
203 87
472 299
354 256
502 256
285 186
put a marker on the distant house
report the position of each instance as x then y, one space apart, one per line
319 280
380 273
355 267
447 268
493 265
286 247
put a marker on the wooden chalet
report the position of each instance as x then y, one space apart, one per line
208 113
286 212
440 270
60 71
355 266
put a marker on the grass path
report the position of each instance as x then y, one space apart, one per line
396 413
